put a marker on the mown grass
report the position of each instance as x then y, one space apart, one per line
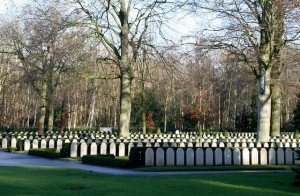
217 168
60 181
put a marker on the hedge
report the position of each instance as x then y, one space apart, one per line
107 160
65 150
45 152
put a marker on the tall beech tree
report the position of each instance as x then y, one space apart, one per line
46 49
120 27
256 32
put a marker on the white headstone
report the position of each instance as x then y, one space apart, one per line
236 156
51 143
272 156
190 157
121 150
218 157
43 143
73 152
229 145
4 143
26 145
209 158
160 157
93 148
263 156
13 143
112 149
149 157
170 157
130 145
83 149
206 144
35 144
280 156
199 156
59 144
157 145
254 156
103 148
179 156
289 156
182 145
227 156
221 145
246 156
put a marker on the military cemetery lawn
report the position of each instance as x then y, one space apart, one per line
61 181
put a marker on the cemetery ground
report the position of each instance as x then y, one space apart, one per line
180 164
63 181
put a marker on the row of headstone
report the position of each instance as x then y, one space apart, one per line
35 143
187 143
81 149
218 156
138 137
57 143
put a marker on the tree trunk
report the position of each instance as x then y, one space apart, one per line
50 107
264 106
276 110
125 104
41 120
125 70
165 118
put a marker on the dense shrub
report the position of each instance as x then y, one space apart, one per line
137 156
45 152
297 171
20 145
106 160
11 149
296 119
65 150
296 135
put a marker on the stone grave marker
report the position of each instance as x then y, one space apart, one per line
35 143
93 148
227 156
4 143
26 145
43 143
280 156
51 143
149 157
263 156
130 145
160 157
289 156
209 158
179 156
199 156
170 157
112 148
73 152
13 143
236 156
148 144
246 156
254 156
83 149
121 149
59 144
272 156
218 156
190 157
103 148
